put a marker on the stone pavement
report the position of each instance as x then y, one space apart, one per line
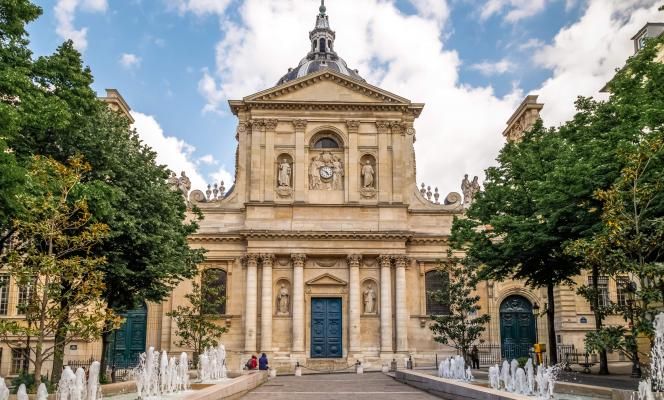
337 387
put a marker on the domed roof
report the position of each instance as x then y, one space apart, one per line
322 55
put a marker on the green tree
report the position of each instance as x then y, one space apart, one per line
462 327
512 230
12 177
53 244
59 116
196 325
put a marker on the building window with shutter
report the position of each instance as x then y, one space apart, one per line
602 288
437 282
4 294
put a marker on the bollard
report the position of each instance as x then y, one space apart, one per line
385 368
359 369
273 373
409 362
393 365
298 369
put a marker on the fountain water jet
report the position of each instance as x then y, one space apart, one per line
42 392
22 393
4 390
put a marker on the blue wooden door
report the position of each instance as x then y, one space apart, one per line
517 327
128 342
326 328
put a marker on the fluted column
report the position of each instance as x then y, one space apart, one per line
266 303
298 302
250 303
385 304
401 304
354 334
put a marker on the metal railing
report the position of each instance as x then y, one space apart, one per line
491 354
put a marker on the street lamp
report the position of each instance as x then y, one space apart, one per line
631 294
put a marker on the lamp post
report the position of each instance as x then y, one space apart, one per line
631 294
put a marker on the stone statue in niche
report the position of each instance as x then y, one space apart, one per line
284 174
283 301
368 175
369 300
326 172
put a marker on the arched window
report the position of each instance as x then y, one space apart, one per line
326 143
437 285
213 287
321 45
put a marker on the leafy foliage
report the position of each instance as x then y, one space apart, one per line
53 245
195 328
462 327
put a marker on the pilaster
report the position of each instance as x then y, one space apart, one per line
386 335
250 304
269 162
255 175
398 166
300 126
354 332
298 302
353 161
384 161
401 303
266 303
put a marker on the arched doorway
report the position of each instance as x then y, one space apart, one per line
128 342
517 327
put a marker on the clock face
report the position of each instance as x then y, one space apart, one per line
326 172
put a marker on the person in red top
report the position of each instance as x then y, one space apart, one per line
252 363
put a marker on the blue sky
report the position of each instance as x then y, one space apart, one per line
176 62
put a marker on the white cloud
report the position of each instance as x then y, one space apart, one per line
584 56
129 61
489 68
514 10
530 44
208 159
200 7
65 12
175 153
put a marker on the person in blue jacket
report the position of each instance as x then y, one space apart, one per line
262 362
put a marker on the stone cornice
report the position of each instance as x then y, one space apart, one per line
415 109
396 235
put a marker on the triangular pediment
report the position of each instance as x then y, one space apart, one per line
327 86
326 280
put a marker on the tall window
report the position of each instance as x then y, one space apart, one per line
326 143
439 282
4 294
602 288
23 297
18 360
621 290
214 286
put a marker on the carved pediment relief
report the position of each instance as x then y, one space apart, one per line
327 280
327 86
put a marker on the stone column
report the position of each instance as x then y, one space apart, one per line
385 304
301 165
398 166
384 162
354 332
353 185
298 302
250 303
269 182
401 304
243 134
266 303
256 175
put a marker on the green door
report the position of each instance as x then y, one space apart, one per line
128 342
517 327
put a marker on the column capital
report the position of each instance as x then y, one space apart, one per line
398 127
354 260
382 126
267 259
353 125
298 259
250 260
271 124
401 261
258 125
300 124
385 260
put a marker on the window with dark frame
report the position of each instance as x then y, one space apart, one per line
326 143
435 281
214 278
602 288
23 297
18 361
4 294
621 290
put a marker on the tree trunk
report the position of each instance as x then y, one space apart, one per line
38 364
60 340
105 344
603 360
551 320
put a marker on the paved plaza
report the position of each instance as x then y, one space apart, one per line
337 387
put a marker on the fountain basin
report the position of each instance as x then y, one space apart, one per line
448 388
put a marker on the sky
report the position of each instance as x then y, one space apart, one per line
178 62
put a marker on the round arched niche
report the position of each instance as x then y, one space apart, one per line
369 297
285 171
326 139
368 178
283 298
